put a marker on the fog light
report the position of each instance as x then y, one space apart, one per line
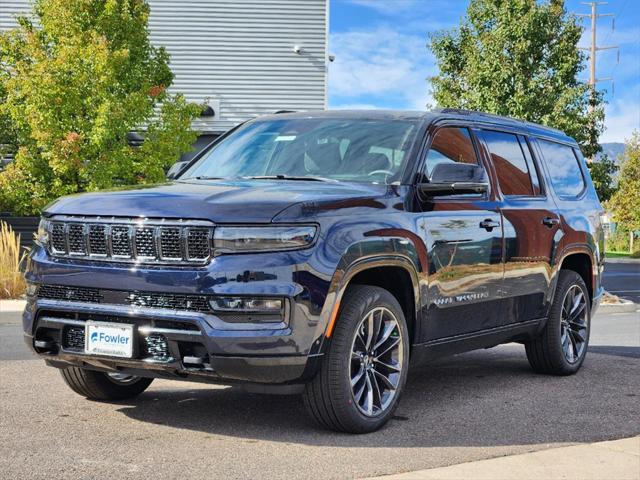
247 304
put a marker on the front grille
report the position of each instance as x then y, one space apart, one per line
170 244
74 294
197 303
192 303
120 242
198 243
145 243
131 240
58 238
98 239
76 239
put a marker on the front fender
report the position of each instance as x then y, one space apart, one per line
399 250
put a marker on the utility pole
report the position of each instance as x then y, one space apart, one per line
594 48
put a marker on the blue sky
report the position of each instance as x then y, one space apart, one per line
382 60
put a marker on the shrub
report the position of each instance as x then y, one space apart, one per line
625 203
12 282
72 87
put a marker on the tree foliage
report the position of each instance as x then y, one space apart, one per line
77 76
518 58
602 172
625 203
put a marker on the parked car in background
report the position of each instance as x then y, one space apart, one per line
322 253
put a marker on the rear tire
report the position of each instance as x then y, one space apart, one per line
102 386
363 374
562 347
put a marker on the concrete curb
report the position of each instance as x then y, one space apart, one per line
12 306
626 307
619 459
622 260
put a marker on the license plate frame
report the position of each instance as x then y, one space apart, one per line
109 339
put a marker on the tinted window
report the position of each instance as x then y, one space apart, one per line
451 145
564 170
509 162
360 150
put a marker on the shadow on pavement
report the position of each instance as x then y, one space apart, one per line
482 398
631 352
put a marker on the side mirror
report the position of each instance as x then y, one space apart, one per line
176 169
455 178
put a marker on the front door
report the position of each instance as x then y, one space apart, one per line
463 235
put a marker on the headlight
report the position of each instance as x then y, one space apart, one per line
258 239
42 235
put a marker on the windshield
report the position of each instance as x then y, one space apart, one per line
357 150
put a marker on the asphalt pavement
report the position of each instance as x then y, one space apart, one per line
622 278
478 405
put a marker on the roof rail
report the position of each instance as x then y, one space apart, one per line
462 111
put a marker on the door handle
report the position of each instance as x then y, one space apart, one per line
489 224
550 221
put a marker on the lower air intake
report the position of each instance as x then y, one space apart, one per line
157 346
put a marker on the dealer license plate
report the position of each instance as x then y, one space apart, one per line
113 339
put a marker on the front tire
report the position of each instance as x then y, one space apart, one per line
104 386
562 347
364 372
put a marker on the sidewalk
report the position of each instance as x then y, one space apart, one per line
616 459
12 306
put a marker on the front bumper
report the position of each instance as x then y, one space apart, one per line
200 345
192 352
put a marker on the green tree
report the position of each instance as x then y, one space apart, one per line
625 203
519 58
77 76
602 172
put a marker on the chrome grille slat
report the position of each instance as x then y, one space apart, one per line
131 240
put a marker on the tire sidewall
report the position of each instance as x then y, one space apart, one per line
357 306
567 280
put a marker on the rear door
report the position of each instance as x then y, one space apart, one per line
463 235
531 226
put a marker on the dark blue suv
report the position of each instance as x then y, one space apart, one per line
318 253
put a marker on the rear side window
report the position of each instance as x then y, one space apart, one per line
451 144
510 162
564 170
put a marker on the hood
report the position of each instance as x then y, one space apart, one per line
221 201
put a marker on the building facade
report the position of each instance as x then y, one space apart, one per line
243 57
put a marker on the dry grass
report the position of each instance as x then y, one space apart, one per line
12 283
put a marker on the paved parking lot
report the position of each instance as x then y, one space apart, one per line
622 278
473 406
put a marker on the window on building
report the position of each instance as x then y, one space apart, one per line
510 163
564 169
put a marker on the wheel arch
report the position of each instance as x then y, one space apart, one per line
580 260
394 273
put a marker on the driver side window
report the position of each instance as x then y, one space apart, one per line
450 145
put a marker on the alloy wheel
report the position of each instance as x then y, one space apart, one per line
122 378
376 361
574 324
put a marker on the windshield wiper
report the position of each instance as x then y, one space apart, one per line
203 177
289 177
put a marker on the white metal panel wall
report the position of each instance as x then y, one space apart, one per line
238 52
9 9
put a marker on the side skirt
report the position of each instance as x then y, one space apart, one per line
515 332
